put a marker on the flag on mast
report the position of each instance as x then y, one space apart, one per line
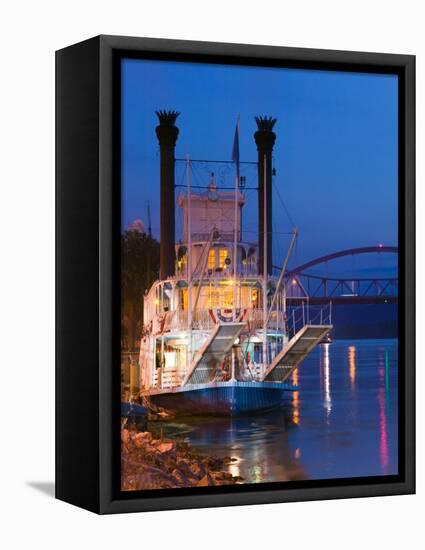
235 152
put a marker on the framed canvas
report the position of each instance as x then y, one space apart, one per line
235 274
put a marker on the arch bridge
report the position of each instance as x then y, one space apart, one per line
342 290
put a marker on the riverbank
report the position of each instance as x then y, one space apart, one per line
149 461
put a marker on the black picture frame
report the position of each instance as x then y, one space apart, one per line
87 273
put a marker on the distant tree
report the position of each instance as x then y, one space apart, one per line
139 269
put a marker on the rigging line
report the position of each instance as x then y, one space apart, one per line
179 218
205 175
199 177
195 174
217 161
182 177
277 242
229 218
279 246
283 204
218 187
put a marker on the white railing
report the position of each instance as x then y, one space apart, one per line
295 318
243 270
299 316
289 322
205 319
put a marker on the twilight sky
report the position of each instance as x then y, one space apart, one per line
335 154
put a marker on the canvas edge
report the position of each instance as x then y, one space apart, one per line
109 44
76 305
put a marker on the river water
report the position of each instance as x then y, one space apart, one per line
342 422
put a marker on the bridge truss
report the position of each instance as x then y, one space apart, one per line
338 290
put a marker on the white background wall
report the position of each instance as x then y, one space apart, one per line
30 32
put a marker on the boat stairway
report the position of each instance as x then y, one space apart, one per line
212 353
297 349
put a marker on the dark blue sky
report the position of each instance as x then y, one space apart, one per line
335 153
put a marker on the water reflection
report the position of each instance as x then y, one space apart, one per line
383 430
257 445
333 426
352 364
234 467
387 379
382 401
295 399
326 363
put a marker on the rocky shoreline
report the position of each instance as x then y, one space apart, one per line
151 462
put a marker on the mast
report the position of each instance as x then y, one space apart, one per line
235 249
204 253
282 274
235 236
189 262
265 269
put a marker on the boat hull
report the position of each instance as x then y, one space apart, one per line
222 398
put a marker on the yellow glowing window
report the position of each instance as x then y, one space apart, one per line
215 298
211 259
181 264
223 254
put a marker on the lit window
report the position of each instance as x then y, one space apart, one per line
211 259
223 254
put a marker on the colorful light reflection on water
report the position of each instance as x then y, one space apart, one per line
326 366
342 422
352 361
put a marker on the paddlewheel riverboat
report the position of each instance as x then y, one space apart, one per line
221 335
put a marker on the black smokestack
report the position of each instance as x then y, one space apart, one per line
167 133
265 138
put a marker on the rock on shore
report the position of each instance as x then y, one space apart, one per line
149 463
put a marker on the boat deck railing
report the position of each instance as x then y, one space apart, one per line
299 316
166 378
206 319
289 322
243 270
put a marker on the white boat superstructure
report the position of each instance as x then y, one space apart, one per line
219 330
